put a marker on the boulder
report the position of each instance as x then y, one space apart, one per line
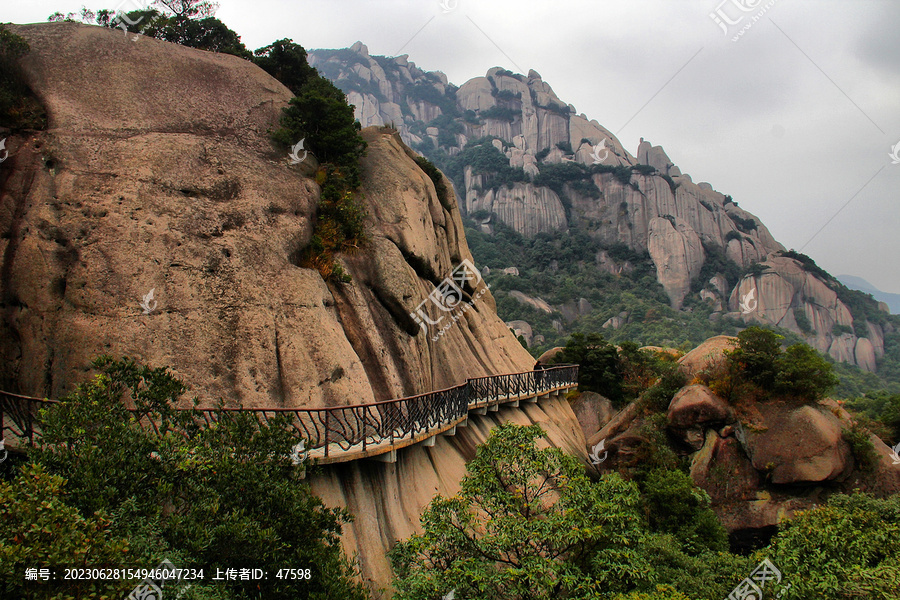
800 445
697 405
706 354
593 411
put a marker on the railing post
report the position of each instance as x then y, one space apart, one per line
327 412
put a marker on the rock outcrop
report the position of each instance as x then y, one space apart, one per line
760 461
175 186
643 201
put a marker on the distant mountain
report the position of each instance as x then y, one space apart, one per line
858 283
579 234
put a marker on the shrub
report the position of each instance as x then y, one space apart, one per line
675 505
19 108
285 61
39 529
857 437
847 548
802 320
437 178
803 374
527 523
222 496
599 365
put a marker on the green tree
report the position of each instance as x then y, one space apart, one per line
849 548
527 523
321 115
220 496
39 529
756 356
285 61
675 505
599 364
804 374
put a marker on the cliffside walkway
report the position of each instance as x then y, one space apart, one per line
345 433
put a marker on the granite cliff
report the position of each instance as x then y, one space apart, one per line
522 156
157 172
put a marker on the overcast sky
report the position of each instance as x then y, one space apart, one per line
795 119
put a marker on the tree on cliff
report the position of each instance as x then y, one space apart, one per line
527 523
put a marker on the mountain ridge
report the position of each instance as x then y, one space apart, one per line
521 157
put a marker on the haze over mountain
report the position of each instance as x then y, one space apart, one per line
858 283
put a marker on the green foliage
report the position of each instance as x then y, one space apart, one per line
40 529
756 356
857 437
566 147
599 365
527 523
881 407
641 169
222 496
19 108
208 34
802 320
500 113
437 178
837 330
746 225
285 61
733 235
849 548
808 264
577 176
798 373
676 506
320 115
803 374
486 160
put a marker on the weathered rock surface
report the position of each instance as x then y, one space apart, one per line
800 445
527 120
175 186
694 409
678 255
786 294
706 354
593 412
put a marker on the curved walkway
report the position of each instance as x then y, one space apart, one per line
377 430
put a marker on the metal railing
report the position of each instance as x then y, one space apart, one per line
357 428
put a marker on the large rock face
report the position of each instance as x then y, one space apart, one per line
657 210
175 187
157 173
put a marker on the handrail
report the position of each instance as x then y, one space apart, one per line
357 428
